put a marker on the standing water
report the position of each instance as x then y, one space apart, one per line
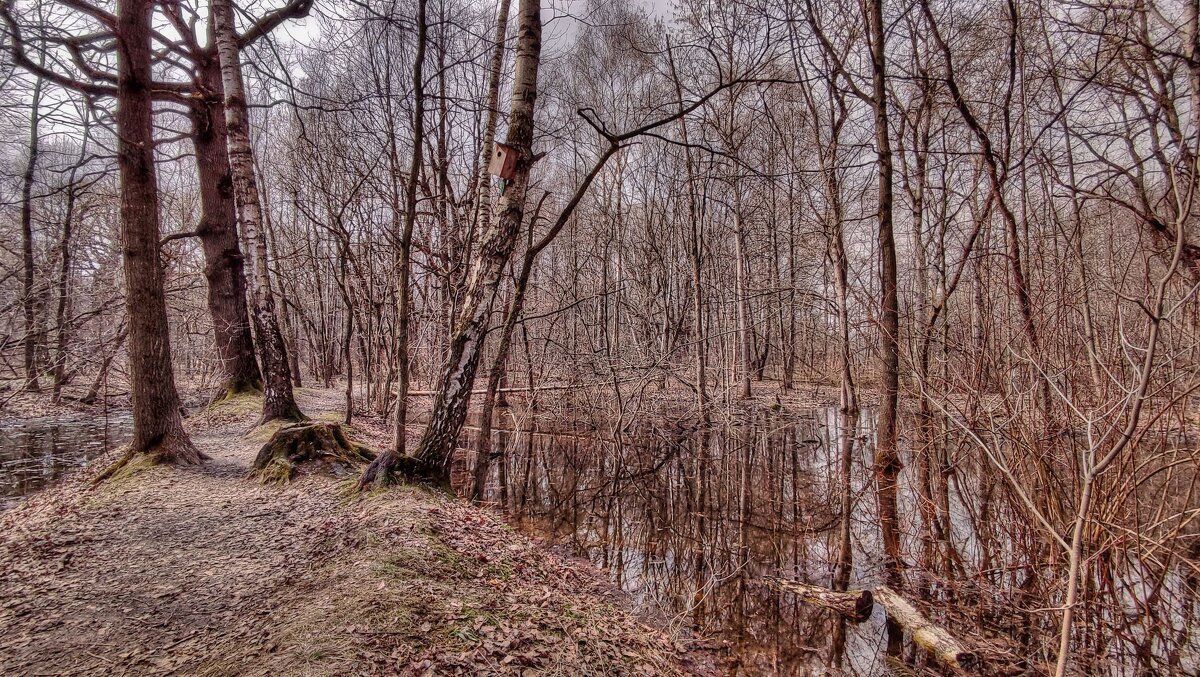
691 522
34 452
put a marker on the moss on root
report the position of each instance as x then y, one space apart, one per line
266 431
172 451
320 444
235 407
237 391
389 470
128 465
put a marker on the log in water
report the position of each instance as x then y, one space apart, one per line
933 638
853 604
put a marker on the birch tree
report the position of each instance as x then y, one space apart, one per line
278 400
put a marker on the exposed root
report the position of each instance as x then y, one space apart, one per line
320 443
231 389
173 450
275 412
389 470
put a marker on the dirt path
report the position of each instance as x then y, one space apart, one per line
203 571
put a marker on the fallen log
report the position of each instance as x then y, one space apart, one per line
924 633
853 604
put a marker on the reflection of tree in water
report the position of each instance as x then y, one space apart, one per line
34 453
689 521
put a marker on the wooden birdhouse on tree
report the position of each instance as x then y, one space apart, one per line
503 162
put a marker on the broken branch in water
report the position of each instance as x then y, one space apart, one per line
853 604
933 638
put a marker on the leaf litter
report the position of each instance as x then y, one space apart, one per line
202 571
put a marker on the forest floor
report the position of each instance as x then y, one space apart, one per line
202 571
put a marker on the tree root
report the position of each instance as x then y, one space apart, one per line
170 451
274 412
320 444
388 470
232 389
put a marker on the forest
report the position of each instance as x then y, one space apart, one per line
767 336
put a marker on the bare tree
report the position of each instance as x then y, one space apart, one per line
157 428
278 399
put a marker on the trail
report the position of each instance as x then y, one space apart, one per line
200 570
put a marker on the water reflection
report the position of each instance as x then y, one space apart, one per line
34 452
691 520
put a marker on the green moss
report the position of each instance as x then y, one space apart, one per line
502 571
126 469
236 404
394 567
347 490
265 432
230 392
278 471
445 563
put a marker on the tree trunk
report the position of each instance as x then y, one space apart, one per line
348 334
64 269
382 469
887 457
695 252
495 248
741 269
483 452
28 302
157 426
109 353
278 399
853 604
223 262
484 447
483 188
933 638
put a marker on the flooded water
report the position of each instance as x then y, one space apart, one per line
35 452
690 521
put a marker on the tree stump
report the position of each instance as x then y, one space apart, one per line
853 604
319 444
933 638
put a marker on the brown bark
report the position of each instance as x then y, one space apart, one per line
28 300
278 399
223 261
887 457
381 471
157 426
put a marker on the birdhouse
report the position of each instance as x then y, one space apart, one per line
503 162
